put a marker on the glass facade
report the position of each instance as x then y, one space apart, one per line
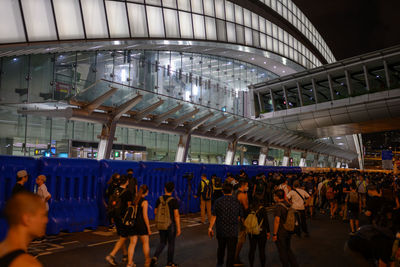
208 20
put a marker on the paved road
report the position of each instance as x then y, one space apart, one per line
194 248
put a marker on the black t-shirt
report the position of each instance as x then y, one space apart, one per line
374 204
125 196
262 214
281 212
132 185
172 204
17 189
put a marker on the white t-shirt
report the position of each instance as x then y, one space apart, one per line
297 201
43 193
284 187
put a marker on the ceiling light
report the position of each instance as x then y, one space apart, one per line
252 58
340 144
274 67
265 62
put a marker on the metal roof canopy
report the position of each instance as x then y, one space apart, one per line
162 113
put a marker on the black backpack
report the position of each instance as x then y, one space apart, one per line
130 216
115 203
207 190
260 187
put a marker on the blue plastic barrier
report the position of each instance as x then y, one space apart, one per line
78 186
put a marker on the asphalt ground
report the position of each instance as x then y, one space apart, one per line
324 247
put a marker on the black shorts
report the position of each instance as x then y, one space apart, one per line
123 230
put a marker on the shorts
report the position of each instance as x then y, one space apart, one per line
123 230
353 214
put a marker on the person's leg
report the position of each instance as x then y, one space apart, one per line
221 250
171 243
303 221
291 256
252 250
240 242
118 245
357 224
262 242
146 248
131 248
202 210
162 244
282 250
352 225
208 204
231 244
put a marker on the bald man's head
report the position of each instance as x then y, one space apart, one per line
29 210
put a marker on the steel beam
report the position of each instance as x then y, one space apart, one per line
211 124
193 125
185 117
100 100
122 109
146 111
158 119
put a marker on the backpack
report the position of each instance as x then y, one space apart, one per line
353 197
163 216
251 223
291 218
115 203
329 193
207 190
130 216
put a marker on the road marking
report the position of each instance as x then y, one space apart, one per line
44 253
55 246
192 225
102 243
67 243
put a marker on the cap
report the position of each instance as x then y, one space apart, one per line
22 173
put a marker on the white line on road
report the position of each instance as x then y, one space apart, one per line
67 243
102 243
42 254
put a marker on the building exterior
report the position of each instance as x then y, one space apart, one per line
205 53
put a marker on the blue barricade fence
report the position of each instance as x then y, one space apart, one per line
78 186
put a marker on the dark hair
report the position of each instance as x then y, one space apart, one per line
169 187
280 194
242 182
113 178
123 179
19 178
227 188
129 170
203 175
142 190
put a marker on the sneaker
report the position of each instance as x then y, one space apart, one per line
125 258
171 264
153 262
238 263
111 260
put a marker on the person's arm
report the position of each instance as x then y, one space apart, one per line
145 206
210 227
26 260
276 228
266 224
178 222
242 197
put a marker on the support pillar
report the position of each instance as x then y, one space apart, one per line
106 140
303 159
230 153
286 156
262 159
183 148
315 162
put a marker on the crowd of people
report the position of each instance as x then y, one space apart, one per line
237 210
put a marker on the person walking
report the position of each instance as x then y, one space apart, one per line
226 215
217 188
242 197
168 224
298 197
141 229
204 191
281 236
26 216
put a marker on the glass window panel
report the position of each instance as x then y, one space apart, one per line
274 31
117 19
198 26
247 18
238 14
280 34
39 20
256 38
263 41
69 21
95 18
209 7
156 24
269 43
185 19
268 27
275 49
136 1
219 9
239 34
273 4
153 2
197 6
231 33
248 36
255 22
169 3
184 5
230 11
137 20
262 24
11 27
221 30
171 23
281 47
211 29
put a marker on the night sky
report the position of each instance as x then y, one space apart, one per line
354 27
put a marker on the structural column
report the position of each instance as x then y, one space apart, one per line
106 140
183 148
303 159
315 162
262 159
230 153
286 156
